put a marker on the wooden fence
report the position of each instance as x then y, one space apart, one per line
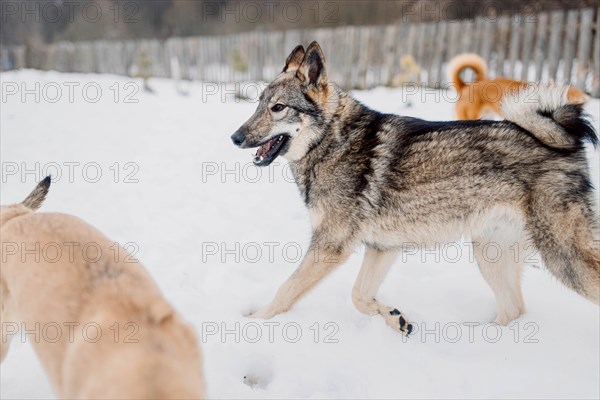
562 45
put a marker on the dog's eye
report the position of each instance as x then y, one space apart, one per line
277 107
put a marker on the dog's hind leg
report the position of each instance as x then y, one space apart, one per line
374 269
499 249
501 266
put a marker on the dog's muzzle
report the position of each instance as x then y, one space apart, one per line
268 150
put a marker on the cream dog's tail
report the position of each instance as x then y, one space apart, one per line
38 195
27 206
462 62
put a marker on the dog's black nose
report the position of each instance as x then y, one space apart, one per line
239 136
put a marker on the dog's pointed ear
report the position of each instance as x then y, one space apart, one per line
312 70
294 59
37 196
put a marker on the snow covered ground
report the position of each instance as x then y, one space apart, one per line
220 236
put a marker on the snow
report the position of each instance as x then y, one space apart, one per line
220 241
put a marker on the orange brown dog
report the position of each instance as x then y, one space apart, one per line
484 96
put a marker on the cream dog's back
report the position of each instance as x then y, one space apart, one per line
119 338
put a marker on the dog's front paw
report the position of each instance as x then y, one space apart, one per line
395 320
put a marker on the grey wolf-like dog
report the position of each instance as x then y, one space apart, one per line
382 180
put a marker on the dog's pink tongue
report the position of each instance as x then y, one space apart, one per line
262 150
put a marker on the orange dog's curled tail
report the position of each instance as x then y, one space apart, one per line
462 62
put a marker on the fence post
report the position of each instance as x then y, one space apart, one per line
439 54
596 59
528 34
569 47
584 46
513 52
541 46
556 28
502 44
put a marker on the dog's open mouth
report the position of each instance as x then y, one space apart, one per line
269 151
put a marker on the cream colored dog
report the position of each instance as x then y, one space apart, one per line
102 328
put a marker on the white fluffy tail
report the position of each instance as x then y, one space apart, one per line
545 111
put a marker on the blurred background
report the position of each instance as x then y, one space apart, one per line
367 43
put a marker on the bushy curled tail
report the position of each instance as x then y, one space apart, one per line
462 62
546 112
